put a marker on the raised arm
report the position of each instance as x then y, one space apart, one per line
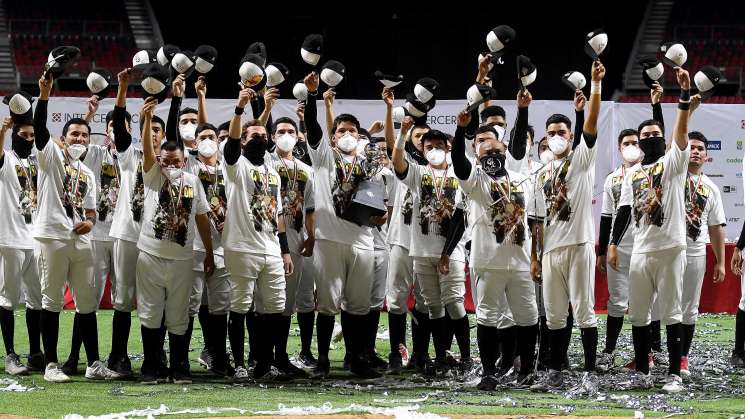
92 108
41 132
232 150
655 95
7 124
579 116
389 131
122 138
591 123
172 132
148 151
680 133
461 165
315 133
201 87
328 100
520 137
400 165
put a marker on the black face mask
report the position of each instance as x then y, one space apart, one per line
493 164
255 149
21 146
416 154
653 148
300 152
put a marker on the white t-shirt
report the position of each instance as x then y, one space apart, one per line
297 196
66 190
399 228
168 226
334 186
131 202
103 162
212 180
658 210
703 211
498 215
564 189
437 194
611 196
18 200
380 233
254 206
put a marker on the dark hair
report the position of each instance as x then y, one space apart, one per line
171 146
345 117
365 133
251 123
487 128
697 135
184 111
75 121
420 126
110 116
531 131
375 140
17 127
558 118
494 110
651 122
225 126
626 133
435 135
205 126
283 120
156 120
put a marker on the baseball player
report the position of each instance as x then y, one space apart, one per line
66 215
18 192
653 194
175 208
737 359
705 222
257 253
565 188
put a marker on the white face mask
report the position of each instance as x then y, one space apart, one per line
547 156
631 154
500 133
436 156
188 131
347 143
286 142
75 151
558 144
207 148
172 173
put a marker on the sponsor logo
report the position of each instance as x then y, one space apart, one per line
714 145
739 144
729 189
441 119
735 161
739 204
56 117
733 220
715 175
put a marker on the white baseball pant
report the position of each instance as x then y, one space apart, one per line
400 277
124 287
618 285
163 286
693 280
71 262
293 284
657 273
377 296
217 297
20 277
498 288
344 278
440 290
568 276
103 265
259 275
305 297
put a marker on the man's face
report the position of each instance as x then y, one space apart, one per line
496 120
285 128
433 144
206 134
698 153
629 140
253 133
483 137
188 118
158 134
558 128
650 131
222 135
382 151
110 126
26 132
416 137
345 128
542 146
171 159
77 134
300 136
491 146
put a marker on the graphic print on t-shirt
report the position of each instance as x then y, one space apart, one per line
507 212
214 188
646 184
137 202
556 192
27 202
348 178
696 196
109 191
171 219
294 181
436 211
75 187
407 207
615 189
264 200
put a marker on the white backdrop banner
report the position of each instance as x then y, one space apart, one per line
723 125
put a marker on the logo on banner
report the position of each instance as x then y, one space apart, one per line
729 189
56 117
735 161
714 145
714 175
733 220
739 204
739 144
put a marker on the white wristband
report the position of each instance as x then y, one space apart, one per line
400 142
596 88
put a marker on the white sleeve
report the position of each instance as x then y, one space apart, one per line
50 156
608 207
413 177
677 159
583 155
627 191
320 155
309 195
470 185
153 178
231 170
89 201
203 207
716 209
